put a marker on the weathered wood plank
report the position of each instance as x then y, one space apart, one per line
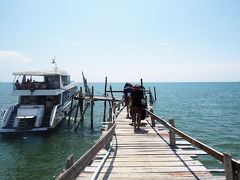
149 169
176 163
145 154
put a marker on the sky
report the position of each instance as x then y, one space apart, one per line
125 40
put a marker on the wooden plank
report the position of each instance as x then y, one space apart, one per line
176 163
144 176
149 159
149 169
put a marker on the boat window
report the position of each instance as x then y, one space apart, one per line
48 101
36 82
32 100
52 82
67 94
65 80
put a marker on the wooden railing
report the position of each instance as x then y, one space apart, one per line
87 158
232 166
75 169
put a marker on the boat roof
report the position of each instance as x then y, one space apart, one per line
41 73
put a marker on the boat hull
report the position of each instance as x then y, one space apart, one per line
60 114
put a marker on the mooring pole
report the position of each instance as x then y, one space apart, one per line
141 82
70 113
105 103
81 104
110 114
112 95
150 96
155 94
77 111
81 116
92 103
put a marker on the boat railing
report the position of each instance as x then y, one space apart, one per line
52 117
7 114
232 166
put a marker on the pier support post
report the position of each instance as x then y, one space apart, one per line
70 113
155 94
172 137
75 119
114 108
92 103
150 96
112 96
229 173
69 161
110 114
81 104
105 103
152 118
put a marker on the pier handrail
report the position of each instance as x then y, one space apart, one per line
86 159
200 145
114 110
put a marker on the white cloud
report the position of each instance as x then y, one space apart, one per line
169 48
163 44
166 46
68 43
6 56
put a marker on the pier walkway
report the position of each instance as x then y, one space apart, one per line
146 154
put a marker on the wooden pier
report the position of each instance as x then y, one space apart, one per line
149 153
156 151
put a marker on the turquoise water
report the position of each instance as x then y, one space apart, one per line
209 112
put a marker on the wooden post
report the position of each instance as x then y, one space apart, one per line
105 103
77 111
152 118
112 95
110 114
141 82
69 161
70 113
155 94
81 116
172 137
114 108
150 96
81 104
92 103
227 160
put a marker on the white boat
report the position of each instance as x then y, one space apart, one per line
44 101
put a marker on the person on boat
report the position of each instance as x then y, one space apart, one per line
127 93
136 96
17 85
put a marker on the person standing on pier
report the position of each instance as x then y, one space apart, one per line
136 96
127 93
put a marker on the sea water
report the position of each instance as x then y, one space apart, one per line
209 112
